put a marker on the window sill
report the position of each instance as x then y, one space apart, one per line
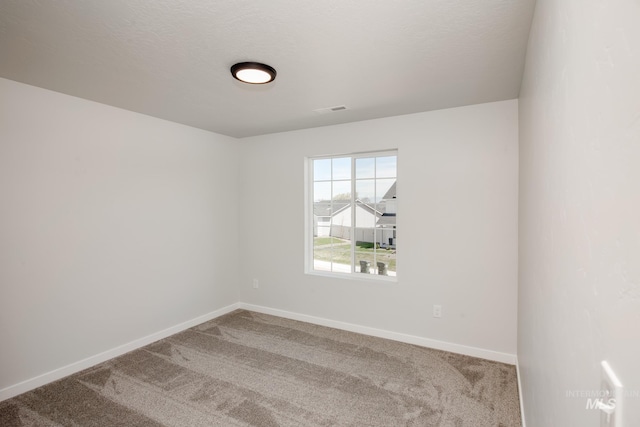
354 276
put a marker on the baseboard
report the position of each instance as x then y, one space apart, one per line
72 368
381 333
30 384
524 424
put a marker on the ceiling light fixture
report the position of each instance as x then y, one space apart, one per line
253 73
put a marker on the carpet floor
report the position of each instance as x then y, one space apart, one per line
250 369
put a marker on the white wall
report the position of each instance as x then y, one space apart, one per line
457 221
113 226
579 265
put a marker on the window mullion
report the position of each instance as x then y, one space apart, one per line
353 214
375 209
331 244
311 218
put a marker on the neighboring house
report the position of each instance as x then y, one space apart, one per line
322 213
366 218
388 219
336 220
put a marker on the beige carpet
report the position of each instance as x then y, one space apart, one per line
250 369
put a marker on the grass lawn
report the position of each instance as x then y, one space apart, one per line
340 252
319 241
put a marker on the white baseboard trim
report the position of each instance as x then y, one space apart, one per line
381 333
56 374
524 424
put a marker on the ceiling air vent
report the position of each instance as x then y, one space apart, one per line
330 109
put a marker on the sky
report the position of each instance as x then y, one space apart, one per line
374 176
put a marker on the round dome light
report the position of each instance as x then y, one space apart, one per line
253 73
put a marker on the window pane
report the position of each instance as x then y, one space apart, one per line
322 191
386 167
341 191
342 265
386 254
342 254
365 258
321 215
322 249
365 168
321 169
341 221
322 234
364 239
366 218
332 254
342 168
386 230
383 186
365 190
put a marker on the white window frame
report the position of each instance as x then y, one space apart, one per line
309 217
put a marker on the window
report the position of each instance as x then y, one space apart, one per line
352 215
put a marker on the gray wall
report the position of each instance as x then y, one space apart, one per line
579 209
457 222
113 226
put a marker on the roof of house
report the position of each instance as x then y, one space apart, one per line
391 193
388 219
377 212
328 209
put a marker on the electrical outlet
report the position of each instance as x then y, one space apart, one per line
437 311
256 284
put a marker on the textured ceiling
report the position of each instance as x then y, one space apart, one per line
171 58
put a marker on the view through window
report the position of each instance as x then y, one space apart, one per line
354 213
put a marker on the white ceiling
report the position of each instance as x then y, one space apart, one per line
171 58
